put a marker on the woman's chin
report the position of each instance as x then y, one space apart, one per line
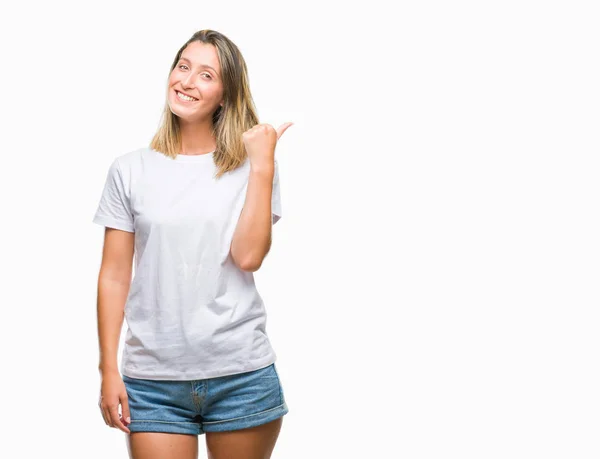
186 118
187 115
179 111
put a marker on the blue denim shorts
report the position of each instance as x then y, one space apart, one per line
216 404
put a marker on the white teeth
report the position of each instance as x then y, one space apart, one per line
181 96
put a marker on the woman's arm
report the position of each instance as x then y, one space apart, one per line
114 281
252 237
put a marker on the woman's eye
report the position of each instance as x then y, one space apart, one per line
205 73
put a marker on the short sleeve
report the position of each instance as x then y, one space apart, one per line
276 196
114 209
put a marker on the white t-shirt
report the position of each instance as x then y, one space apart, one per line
191 312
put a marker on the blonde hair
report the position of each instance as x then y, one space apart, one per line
237 115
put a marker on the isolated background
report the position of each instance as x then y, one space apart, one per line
432 288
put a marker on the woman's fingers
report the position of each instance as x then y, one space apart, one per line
104 412
112 394
112 418
125 409
116 419
282 129
124 424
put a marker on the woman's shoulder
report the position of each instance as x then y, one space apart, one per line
132 158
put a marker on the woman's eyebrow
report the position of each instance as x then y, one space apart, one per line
200 65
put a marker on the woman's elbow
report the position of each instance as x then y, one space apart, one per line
250 261
250 265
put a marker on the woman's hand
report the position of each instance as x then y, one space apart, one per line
113 393
260 142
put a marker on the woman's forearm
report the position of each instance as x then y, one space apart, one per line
112 295
252 237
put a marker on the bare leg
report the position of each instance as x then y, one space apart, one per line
252 443
162 445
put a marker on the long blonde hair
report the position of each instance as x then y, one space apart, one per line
237 115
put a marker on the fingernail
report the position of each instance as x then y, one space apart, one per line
128 419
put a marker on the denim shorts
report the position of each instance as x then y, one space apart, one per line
216 404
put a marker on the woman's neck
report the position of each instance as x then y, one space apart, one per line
196 139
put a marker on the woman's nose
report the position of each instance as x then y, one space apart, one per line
188 81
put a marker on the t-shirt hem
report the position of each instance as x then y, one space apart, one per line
204 374
112 223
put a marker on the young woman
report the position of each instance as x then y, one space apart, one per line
195 211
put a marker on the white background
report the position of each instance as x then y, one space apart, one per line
432 288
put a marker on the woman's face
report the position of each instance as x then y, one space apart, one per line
197 74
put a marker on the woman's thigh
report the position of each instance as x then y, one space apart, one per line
160 445
243 414
251 443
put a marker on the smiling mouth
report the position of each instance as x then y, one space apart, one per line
185 98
